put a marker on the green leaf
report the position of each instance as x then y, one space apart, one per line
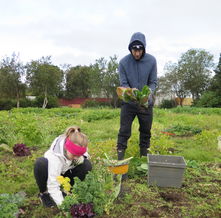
140 169
143 99
146 90
144 166
109 162
5 147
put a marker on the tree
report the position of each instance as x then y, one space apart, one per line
216 81
11 72
209 99
44 78
96 77
164 87
107 77
212 97
174 81
78 82
195 67
112 79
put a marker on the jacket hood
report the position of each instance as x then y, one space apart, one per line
138 37
58 145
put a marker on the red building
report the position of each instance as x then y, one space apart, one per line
77 102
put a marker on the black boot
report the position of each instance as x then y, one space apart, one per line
143 152
120 154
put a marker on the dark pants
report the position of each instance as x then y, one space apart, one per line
145 117
41 172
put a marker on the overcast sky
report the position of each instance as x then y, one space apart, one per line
78 32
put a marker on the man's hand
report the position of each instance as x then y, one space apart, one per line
151 100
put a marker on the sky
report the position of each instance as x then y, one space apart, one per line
78 32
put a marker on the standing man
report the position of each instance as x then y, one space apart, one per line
136 70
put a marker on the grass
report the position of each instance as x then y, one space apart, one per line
200 195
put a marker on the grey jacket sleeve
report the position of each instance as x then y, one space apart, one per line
123 76
152 82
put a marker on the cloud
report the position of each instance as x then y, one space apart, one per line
120 13
78 32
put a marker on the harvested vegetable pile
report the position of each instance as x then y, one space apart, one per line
134 95
115 163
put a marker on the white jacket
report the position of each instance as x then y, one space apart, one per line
57 164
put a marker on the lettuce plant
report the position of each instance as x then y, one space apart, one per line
21 150
134 95
82 210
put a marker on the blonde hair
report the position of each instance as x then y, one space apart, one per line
76 136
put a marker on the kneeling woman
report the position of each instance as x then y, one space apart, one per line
68 157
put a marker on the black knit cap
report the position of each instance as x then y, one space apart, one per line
137 45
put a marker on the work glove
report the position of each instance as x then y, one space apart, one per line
64 194
78 161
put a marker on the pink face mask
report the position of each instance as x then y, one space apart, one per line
74 149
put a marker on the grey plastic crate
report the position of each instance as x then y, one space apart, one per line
165 170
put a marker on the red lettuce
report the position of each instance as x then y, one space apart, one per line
82 210
21 150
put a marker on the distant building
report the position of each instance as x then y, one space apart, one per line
77 102
160 97
186 101
30 97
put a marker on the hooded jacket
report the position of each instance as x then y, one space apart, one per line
137 73
57 164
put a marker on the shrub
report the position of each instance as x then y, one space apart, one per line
168 103
27 103
196 110
116 103
99 115
95 104
209 99
52 101
7 104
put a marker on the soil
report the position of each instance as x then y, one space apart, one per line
172 196
156 202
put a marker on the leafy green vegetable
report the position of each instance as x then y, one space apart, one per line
145 90
181 130
9 204
109 162
192 164
134 95
99 188
144 166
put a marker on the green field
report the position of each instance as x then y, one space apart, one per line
196 131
